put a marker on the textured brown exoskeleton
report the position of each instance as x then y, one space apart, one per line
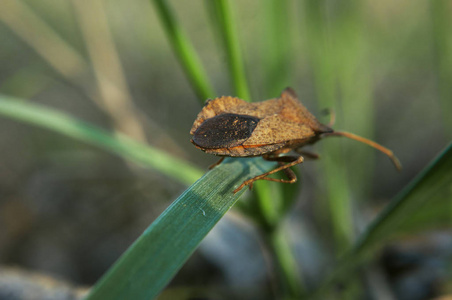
229 126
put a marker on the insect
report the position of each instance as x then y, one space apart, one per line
229 126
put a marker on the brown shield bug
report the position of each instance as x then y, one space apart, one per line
229 126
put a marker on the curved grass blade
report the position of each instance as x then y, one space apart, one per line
150 263
427 198
123 146
430 191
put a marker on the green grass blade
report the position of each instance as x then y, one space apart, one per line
324 60
351 40
290 278
185 52
150 263
277 47
125 147
442 42
430 191
428 198
232 45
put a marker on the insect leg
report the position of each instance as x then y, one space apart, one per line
217 163
289 173
307 154
290 160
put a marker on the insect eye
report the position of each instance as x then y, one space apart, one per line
225 130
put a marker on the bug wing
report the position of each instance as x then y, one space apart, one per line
285 121
276 129
224 131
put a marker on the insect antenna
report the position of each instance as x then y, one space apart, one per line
373 144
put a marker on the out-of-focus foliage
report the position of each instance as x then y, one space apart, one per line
70 209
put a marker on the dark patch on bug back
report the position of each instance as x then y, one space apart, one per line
225 130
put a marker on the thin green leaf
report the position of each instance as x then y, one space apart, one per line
324 60
185 52
289 277
428 197
150 263
277 45
355 89
442 42
430 191
62 123
232 45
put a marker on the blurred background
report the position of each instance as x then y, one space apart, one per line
69 209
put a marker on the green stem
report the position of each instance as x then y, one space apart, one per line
231 42
185 52
290 281
276 47
320 33
442 41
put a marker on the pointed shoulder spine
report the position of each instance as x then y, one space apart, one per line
289 92
214 107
